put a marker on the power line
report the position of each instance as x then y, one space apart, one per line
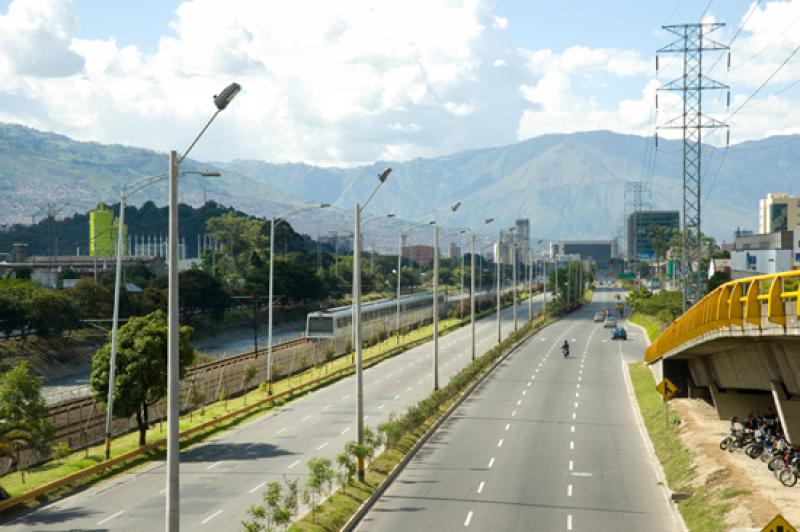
785 61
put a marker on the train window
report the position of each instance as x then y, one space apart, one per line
320 325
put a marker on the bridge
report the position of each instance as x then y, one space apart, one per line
739 346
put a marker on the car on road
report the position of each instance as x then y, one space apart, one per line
619 333
600 316
610 322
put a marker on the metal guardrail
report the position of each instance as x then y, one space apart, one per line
731 305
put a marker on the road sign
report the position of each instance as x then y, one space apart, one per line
666 388
779 524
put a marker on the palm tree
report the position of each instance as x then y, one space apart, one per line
15 437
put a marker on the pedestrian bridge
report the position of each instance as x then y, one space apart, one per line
739 346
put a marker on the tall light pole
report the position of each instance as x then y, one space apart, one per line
127 189
472 291
497 263
453 208
530 285
274 222
356 321
221 101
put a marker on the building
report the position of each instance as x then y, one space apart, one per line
640 246
422 255
598 251
503 248
522 238
454 251
339 243
764 253
103 228
778 212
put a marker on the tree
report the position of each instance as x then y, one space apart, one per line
347 468
247 375
660 237
719 278
200 292
320 480
279 511
15 307
23 412
52 313
92 300
141 372
239 237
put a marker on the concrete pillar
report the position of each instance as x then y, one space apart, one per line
788 412
729 404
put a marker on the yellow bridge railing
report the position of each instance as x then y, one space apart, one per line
732 304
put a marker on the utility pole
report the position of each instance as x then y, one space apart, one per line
692 40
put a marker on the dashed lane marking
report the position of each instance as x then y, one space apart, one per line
210 517
293 464
480 486
259 487
468 519
491 463
322 446
110 517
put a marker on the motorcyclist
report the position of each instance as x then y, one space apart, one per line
565 348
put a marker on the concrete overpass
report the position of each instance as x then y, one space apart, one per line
740 347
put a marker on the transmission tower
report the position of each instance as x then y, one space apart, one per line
692 42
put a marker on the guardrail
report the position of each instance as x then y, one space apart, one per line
732 305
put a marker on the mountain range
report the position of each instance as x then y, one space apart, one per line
570 186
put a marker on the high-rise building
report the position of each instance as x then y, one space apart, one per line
640 244
422 255
522 238
598 251
778 212
454 251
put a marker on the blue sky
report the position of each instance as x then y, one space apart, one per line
360 80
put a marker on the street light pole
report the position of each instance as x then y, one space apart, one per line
530 285
514 281
274 222
472 290
497 262
435 307
356 321
399 269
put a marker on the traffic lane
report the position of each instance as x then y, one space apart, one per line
143 498
442 481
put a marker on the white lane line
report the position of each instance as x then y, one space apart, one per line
578 386
259 486
322 446
346 397
571 445
396 397
491 463
480 486
572 429
500 443
581 474
529 383
534 375
519 402
576 404
514 413
308 416
420 381
579 378
408 389
381 407
569 522
210 517
571 465
110 517
215 464
326 407
293 464
574 415
577 394
345 431
468 519
569 490
524 392
508 426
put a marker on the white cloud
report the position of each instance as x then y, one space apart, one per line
459 109
499 63
500 22
403 128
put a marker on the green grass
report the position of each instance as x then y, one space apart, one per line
708 505
17 483
651 324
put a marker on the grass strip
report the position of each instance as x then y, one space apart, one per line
708 505
336 511
20 483
651 324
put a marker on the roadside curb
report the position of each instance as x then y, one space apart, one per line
651 451
356 519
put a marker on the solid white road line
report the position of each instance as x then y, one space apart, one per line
215 464
569 522
500 443
293 464
468 519
491 463
322 446
569 490
259 486
110 517
508 426
345 431
210 517
480 486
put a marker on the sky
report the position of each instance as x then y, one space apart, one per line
351 82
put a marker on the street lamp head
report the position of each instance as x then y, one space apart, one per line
210 174
454 207
488 220
385 174
225 97
391 215
324 205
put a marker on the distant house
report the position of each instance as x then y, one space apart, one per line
719 265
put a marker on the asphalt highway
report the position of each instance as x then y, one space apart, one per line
544 443
221 478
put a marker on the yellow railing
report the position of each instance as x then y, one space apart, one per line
732 304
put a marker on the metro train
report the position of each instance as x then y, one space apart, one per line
326 323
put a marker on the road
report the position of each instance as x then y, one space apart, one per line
220 479
543 443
